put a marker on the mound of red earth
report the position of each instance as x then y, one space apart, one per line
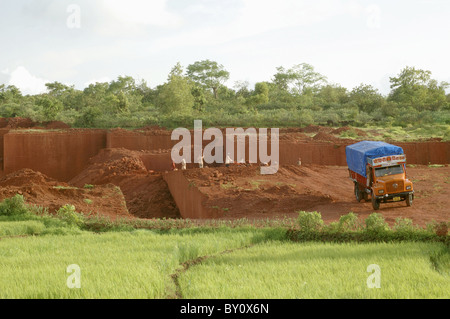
294 136
154 130
16 122
110 163
26 123
321 136
147 194
55 125
315 129
40 190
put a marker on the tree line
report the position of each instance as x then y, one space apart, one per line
295 96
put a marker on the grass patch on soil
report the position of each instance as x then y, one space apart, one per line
286 270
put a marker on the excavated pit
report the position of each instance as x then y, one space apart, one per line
139 164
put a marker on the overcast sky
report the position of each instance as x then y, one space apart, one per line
78 42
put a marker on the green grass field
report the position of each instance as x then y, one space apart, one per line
117 261
134 264
139 264
283 270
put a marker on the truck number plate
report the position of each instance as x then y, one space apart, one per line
397 199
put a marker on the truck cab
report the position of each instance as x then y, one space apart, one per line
387 180
378 171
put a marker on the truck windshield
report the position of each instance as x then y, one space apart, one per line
390 170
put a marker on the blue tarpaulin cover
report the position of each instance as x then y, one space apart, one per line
357 154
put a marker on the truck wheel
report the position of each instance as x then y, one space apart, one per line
358 193
375 202
409 200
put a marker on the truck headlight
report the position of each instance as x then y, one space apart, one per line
408 187
381 191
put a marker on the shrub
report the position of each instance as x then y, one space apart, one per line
14 206
349 222
310 221
68 214
403 225
39 210
376 223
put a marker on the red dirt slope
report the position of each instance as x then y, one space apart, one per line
146 193
40 190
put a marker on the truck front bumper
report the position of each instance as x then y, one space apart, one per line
395 197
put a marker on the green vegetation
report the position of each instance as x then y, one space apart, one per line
21 228
417 105
319 270
374 228
228 185
135 264
398 133
219 259
19 219
64 187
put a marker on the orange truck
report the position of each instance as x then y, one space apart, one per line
378 171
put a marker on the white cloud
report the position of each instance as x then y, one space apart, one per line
26 82
260 16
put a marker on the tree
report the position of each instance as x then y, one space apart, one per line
367 98
10 93
96 96
241 88
124 84
50 106
57 89
260 95
299 78
332 95
117 103
414 87
436 98
67 95
11 110
199 97
87 119
209 74
175 96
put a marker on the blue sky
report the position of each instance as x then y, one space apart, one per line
78 42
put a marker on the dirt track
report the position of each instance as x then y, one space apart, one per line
242 192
